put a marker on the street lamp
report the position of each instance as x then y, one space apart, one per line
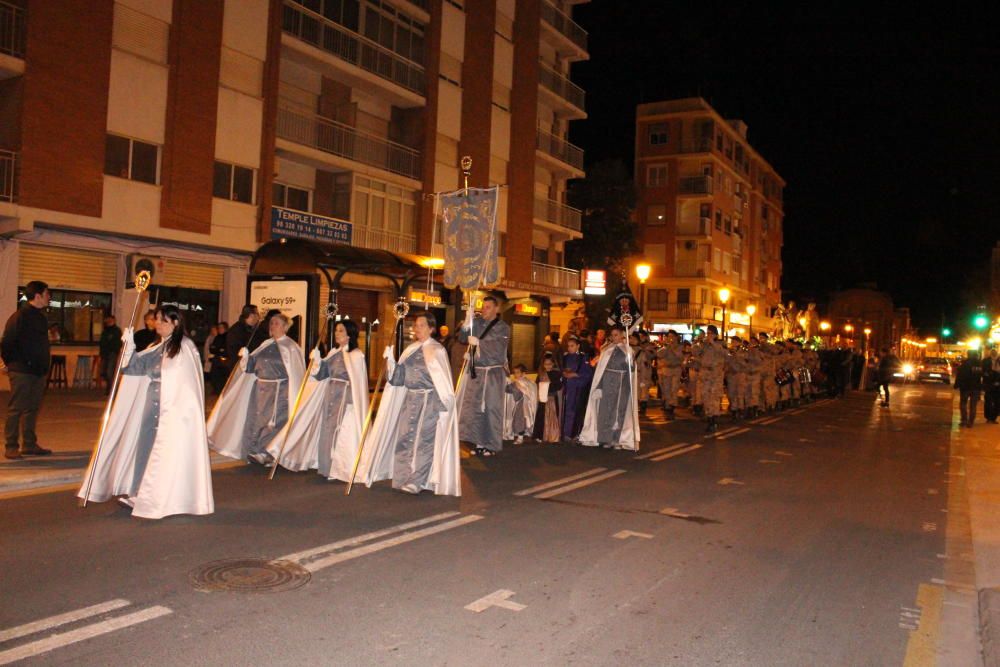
724 298
824 326
868 332
642 272
751 309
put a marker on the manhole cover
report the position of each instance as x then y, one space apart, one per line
248 575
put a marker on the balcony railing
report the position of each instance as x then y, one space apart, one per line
12 30
343 140
560 149
703 145
348 45
561 86
564 24
699 185
554 276
380 239
698 227
8 176
684 268
558 213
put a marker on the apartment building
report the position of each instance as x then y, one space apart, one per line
710 213
187 132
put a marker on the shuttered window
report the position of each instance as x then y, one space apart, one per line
67 268
191 274
241 72
140 34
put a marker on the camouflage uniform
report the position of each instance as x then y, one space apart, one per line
669 360
710 360
755 366
736 380
769 368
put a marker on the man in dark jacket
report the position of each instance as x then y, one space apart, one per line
969 382
147 335
239 336
888 364
109 346
25 352
991 385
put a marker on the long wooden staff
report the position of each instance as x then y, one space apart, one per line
399 311
331 312
141 283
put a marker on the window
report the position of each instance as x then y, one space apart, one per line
656 299
684 295
659 134
131 159
718 220
395 31
288 196
656 214
656 175
705 211
727 224
74 317
234 182
717 259
539 255
383 206
199 306
706 169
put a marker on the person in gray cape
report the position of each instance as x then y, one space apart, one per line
481 413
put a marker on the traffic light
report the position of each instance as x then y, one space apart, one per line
945 332
980 321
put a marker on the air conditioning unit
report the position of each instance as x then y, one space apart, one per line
155 265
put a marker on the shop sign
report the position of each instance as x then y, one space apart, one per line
291 297
595 282
286 223
527 309
737 318
424 297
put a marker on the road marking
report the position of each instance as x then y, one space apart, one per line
759 420
578 485
625 534
564 480
664 457
921 647
932 492
796 412
674 512
781 453
929 526
734 434
725 481
61 619
768 461
334 559
723 432
649 455
770 420
80 634
495 599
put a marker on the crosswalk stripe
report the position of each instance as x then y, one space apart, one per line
734 434
578 485
558 482
671 455
61 619
650 455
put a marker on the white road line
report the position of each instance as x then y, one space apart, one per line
734 434
671 455
564 480
495 599
723 432
61 619
759 420
343 556
80 634
674 512
650 455
298 557
579 485
772 420
625 534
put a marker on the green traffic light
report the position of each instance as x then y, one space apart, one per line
980 321
945 332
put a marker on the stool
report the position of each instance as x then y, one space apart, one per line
83 377
57 371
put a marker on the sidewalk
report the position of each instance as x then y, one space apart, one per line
68 424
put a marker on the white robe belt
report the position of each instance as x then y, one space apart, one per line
482 400
274 412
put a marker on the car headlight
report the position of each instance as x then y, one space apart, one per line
907 369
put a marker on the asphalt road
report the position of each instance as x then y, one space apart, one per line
803 541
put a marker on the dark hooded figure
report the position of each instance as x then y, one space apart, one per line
625 310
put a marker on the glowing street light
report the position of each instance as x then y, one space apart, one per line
824 326
642 272
848 328
724 298
751 309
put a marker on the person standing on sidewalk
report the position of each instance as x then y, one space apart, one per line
969 382
25 352
888 364
109 346
991 386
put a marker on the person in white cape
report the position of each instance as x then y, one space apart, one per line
612 418
155 450
255 407
414 440
520 403
326 431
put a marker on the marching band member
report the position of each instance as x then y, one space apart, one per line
612 418
710 361
669 367
770 391
256 406
326 431
520 403
643 356
414 440
155 450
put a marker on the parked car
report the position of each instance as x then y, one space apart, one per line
934 369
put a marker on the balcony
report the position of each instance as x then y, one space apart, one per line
685 268
555 276
701 227
571 38
561 151
346 142
12 30
698 185
559 214
380 239
703 145
567 95
8 176
353 48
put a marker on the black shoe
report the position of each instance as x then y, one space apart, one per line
36 451
12 454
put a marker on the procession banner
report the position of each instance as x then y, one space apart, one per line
470 238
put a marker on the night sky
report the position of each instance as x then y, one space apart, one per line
885 126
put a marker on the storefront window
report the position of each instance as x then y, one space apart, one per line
75 318
200 308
